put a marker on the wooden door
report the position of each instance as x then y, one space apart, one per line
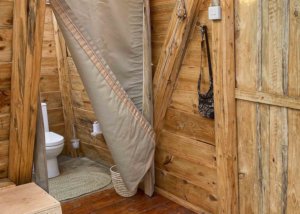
257 88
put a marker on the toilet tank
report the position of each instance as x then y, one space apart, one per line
45 116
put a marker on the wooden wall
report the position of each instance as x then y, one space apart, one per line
6 24
84 116
267 75
92 147
185 156
268 105
268 112
49 81
49 87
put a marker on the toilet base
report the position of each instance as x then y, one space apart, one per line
52 168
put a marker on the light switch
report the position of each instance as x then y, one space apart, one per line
214 13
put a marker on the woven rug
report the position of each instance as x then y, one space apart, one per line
77 183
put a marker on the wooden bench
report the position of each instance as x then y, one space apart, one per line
27 199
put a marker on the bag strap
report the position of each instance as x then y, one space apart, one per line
204 28
204 34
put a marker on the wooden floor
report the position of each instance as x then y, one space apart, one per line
109 202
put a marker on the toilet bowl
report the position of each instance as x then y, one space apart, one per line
54 145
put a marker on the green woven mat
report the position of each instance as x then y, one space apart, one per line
77 183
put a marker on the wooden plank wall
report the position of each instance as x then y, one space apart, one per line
223 49
28 28
92 147
268 116
49 81
84 116
49 86
185 156
6 24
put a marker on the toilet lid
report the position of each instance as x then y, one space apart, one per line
53 139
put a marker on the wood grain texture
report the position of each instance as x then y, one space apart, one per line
28 28
186 139
190 125
5 44
192 150
109 202
185 169
268 98
4 126
247 71
6 31
186 191
5 101
28 198
161 11
293 196
294 49
6 13
268 90
225 108
180 201
65 88
5 75
248 167
4 158
149 178
6 183
50 91
171 57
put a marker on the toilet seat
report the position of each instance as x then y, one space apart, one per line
53 139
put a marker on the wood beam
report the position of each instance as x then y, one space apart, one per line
28 28
225 109
171 57
268 98
65 86
149 179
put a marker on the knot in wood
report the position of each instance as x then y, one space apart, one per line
181 10
181 13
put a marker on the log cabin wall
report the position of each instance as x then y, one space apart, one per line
49 81
53 78
49 87
6 29
92 147
185 156
268 105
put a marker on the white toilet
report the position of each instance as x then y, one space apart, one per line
54 145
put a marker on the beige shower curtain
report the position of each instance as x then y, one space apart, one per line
105 38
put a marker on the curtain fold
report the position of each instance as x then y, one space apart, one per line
105 38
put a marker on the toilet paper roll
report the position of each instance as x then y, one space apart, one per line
96 127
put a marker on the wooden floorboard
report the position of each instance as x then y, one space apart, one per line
109 202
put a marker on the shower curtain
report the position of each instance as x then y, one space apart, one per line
105 39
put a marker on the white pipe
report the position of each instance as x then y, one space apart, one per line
45 117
